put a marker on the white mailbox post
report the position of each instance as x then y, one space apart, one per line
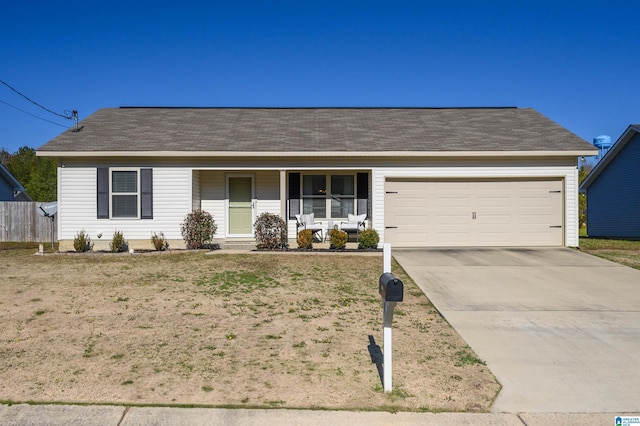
392 291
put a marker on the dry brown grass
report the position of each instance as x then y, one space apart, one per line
268 330
625 252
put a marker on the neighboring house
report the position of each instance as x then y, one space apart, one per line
423 176
613 190
10 188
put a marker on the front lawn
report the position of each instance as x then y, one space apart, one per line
252 330
625 252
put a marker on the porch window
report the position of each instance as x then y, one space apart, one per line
314 195
342 195
333 194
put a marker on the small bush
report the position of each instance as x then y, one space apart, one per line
118 242
159 241
271 232
368 238
82 242
198 229
305 239
337 238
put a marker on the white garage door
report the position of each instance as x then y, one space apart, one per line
474 213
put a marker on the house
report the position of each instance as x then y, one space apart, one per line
613 190
423 176
10 188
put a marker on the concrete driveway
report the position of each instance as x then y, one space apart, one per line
560 329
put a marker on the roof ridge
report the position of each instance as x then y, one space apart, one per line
312 107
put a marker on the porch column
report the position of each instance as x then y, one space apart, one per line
283 195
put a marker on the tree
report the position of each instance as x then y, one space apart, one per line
43 185
583 172
37 174
5 156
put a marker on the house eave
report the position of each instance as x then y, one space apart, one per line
317 154
16 186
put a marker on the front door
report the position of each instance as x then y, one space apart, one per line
240 190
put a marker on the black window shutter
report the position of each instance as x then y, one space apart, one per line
294 195
146 193
103 193
363 193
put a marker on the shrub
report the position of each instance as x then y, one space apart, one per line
368 238
117 243
337 238
271 232
82 242
159 241
198 228
305 239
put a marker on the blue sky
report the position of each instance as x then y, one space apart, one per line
577 62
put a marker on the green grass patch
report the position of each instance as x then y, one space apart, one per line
624 252
467 357
587 243
229 282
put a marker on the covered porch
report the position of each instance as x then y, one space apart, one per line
236 198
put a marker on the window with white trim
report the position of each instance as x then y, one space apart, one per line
124 194
328 196
342 195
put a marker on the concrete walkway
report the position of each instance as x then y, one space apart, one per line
75 415
560 329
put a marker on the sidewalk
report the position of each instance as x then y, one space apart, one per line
76 415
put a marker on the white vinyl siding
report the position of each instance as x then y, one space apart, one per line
77 203
212 197
187 184
195 190
267 192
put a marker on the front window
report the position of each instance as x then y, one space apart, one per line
342 195
314 195
333 194
124 194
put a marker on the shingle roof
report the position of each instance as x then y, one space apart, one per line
315 130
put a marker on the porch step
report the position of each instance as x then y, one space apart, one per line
245 245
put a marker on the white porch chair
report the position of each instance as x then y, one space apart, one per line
306 221
354 224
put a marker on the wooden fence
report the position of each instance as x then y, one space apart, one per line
20 222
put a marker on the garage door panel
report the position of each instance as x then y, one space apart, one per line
495 202
538 220
449 238
494 219
498 213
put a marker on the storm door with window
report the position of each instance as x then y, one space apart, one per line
240 211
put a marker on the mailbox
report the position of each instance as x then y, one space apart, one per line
391 288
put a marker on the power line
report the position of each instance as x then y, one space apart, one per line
68 117
40 118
